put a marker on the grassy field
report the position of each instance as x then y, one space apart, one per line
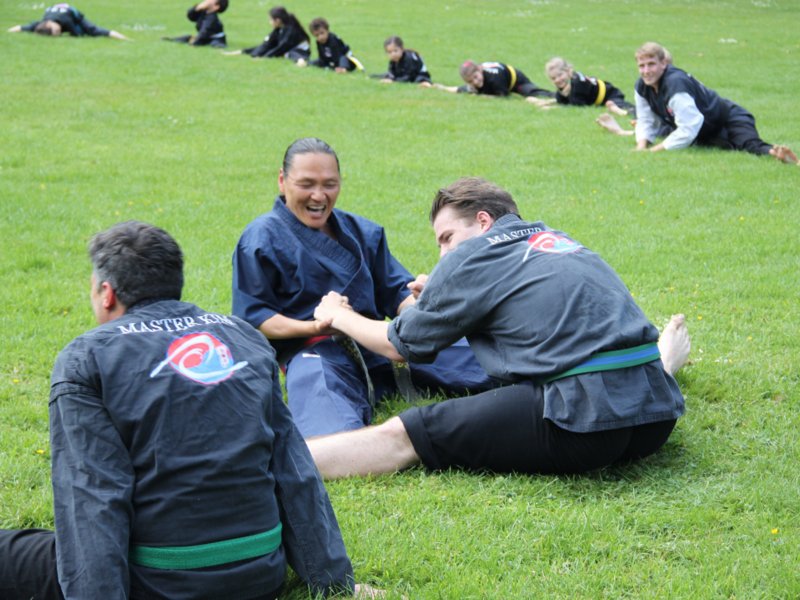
96 131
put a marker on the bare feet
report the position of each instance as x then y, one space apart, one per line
607 122
674 344
540 102
784 154
613 108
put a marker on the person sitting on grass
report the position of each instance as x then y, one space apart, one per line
63 18
177 469
332 52
209 27
694 114
405 65
288 38
589 382
287 259
497 79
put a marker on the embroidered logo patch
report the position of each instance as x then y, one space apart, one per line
553 243
200 357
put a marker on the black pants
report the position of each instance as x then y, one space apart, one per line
504 430
739 133
28 565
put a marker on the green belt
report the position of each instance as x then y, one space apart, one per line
615 359
207 555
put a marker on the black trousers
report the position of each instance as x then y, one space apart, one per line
28 565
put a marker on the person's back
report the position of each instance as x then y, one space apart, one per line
69 20
177 469
191 419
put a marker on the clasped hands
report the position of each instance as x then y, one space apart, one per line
333 304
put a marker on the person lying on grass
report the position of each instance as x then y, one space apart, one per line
62 18
589 382
694 114
497 79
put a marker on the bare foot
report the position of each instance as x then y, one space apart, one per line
784 154
540 102
607 122
674 344
612 107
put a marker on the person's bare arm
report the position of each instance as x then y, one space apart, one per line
333 311
279 327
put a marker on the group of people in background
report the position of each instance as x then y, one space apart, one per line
669 103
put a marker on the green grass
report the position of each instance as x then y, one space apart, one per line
96 131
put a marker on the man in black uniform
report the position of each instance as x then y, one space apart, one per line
589 381
177 469
210 31
63 18
693 113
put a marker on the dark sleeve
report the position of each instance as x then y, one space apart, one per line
88 28
561 98
265 46
283 42
93 482
195 15
311 536
209 25
255 280
391 278
29 26
342 51
452 305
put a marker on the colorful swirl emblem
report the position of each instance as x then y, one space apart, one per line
200 357
553 243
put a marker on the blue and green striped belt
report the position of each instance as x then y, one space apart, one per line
207 555
614 359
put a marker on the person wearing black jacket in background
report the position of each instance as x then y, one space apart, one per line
405 66
332 52
209 28
288 38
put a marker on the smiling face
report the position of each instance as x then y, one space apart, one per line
451 229
651 68
561 79
311 187
475 79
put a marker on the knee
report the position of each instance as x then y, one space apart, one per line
394 435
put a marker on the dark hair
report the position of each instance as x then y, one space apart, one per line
470 195
309 145
46 27
319 23
288 19
223 5
394 40
139 261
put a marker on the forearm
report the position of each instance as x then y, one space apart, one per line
279 327
369 333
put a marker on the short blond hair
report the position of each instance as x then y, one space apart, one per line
653 49
557 64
